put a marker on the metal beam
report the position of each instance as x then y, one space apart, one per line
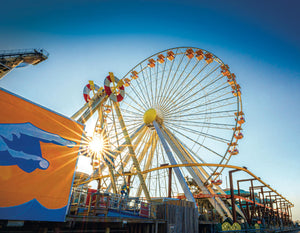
131 151
172 160
210 165
196 174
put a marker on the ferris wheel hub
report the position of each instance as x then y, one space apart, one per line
149 116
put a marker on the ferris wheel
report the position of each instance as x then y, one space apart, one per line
178 106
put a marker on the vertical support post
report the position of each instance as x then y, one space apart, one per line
131 151
246 214
290 213
170 183
278 220
286 214
128 183
99 185
253 198
264 202
232 195
281 212
272 208
111 173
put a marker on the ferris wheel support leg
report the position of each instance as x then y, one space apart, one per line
192 160
172 160
131 151
91 107
141 155
148 163
122 147
197 176
112 177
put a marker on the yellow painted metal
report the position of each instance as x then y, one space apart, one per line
207 175
149 116
100 123
131 151
111 176
145 149
120 149
149 160
92 85
200 173
120 83
207 165
112 77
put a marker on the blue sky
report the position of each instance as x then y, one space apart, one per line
260 40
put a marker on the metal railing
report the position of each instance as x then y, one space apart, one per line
100 203
18 52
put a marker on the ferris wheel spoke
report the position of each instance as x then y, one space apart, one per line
136 102
213 69
206 104
142 99
204 123
217 89
208 113
161 83
140 91
202 134
204 96
207 148
199 82
167 79
146 89
149 78
180 87
133 136
121 135
132 113
183 104
155 88
194 117
138 110
174 89
216 107
206 126
173 79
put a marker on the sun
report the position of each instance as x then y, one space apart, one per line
96 145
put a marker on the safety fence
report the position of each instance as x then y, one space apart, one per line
91 202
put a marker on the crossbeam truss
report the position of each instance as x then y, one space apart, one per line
171 144
10 59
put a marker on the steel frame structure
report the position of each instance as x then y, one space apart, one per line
197 104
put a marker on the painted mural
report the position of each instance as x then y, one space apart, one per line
38 154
